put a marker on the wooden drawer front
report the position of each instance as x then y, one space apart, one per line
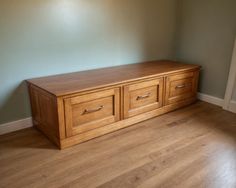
90 111
142 97
180 87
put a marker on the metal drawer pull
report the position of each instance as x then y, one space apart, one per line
180 86
143 97
86 111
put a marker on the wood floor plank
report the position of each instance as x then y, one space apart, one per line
191 147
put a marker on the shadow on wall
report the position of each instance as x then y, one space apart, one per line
57 37
17 103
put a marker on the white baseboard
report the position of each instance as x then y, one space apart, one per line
232 106
15 125
26 123
211 99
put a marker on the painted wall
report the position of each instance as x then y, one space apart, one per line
234 90
206 33
44 37
234 93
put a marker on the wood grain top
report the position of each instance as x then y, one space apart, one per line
70 83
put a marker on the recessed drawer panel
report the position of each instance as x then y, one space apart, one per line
142 97
181 86
90 111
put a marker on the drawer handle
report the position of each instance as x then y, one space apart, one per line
143 96
86 111
180 86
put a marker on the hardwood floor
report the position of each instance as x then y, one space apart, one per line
191 147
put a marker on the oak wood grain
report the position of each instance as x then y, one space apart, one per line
142 97
73 108
181 86
79 138
194 147
65 84
87 112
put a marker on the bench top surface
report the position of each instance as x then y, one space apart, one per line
64 84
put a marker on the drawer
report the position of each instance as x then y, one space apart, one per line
181 86
90 111
142 97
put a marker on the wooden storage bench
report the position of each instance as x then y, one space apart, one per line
75 107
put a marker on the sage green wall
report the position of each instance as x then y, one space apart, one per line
234 93
206 33
44 37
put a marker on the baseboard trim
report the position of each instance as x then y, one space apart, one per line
15 125
232 106
211 99
26 123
